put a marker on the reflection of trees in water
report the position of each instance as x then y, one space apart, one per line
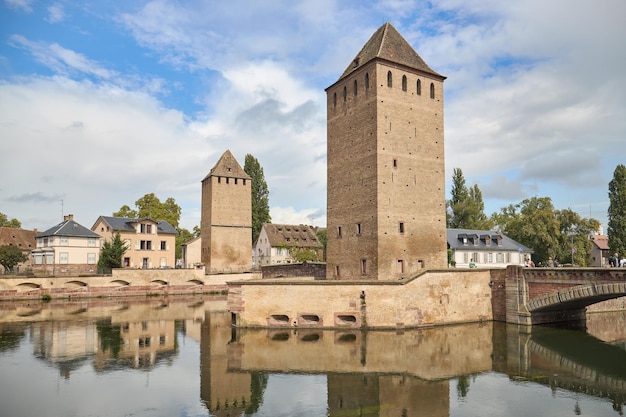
10 337
258 383
462 386
110 337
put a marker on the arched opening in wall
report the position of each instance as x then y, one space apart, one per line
432 90
404 83
348 320
389 79
279 320
419 87
345 94
356 90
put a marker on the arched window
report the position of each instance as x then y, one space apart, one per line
419 87
432 90
367 81
404 83
389 79
345 93
355 88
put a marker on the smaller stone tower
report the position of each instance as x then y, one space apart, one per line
226 217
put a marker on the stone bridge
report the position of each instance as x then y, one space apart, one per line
550 295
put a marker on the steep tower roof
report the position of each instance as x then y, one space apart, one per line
387 44
227 166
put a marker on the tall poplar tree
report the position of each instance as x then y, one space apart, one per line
616 229
260 196
467 209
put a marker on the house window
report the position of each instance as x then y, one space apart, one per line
464 241
465 257
490 258
363 266
91 258
499 257
91 242
163 245
419 87
432 90
475 257
338 231
126 262
404 83
389 79
358 228
508 257
401 227
64 241
145 245
63 257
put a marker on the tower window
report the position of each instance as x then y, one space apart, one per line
389 79
404 83
363 266
401 266
338 231
334 100
367 81
395 163
355 88
432 90
358 228
419 87
401 227
345 94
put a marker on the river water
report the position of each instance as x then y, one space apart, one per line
180 357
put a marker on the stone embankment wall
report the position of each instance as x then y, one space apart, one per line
122 283
430 298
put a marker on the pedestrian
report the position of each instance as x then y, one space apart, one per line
622 262
472 264
614 261
550 263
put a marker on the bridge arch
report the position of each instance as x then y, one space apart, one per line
579 296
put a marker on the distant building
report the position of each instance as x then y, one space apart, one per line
487 249
20 238
386 171
151 243
600 250
191 253
66 249
226 223
275 240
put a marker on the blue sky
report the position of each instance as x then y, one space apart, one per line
102 102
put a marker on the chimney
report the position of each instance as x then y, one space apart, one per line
68 217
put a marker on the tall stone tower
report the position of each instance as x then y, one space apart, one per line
226 225
386 173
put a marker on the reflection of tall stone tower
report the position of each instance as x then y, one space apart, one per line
226 217
386 194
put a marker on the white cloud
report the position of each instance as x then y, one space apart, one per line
56 13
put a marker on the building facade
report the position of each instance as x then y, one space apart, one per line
191 253
151 243
485 249
66 249
275 241
600 251
226 222
386 173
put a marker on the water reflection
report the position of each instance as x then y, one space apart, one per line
194 363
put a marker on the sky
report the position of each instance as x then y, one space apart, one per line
102 102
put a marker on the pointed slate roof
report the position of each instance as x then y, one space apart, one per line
387 44
69 228
227 166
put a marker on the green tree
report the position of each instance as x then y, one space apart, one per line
322 237
111 254
616 229
260 196
467 209
574 242
10 256
5 222
150 206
